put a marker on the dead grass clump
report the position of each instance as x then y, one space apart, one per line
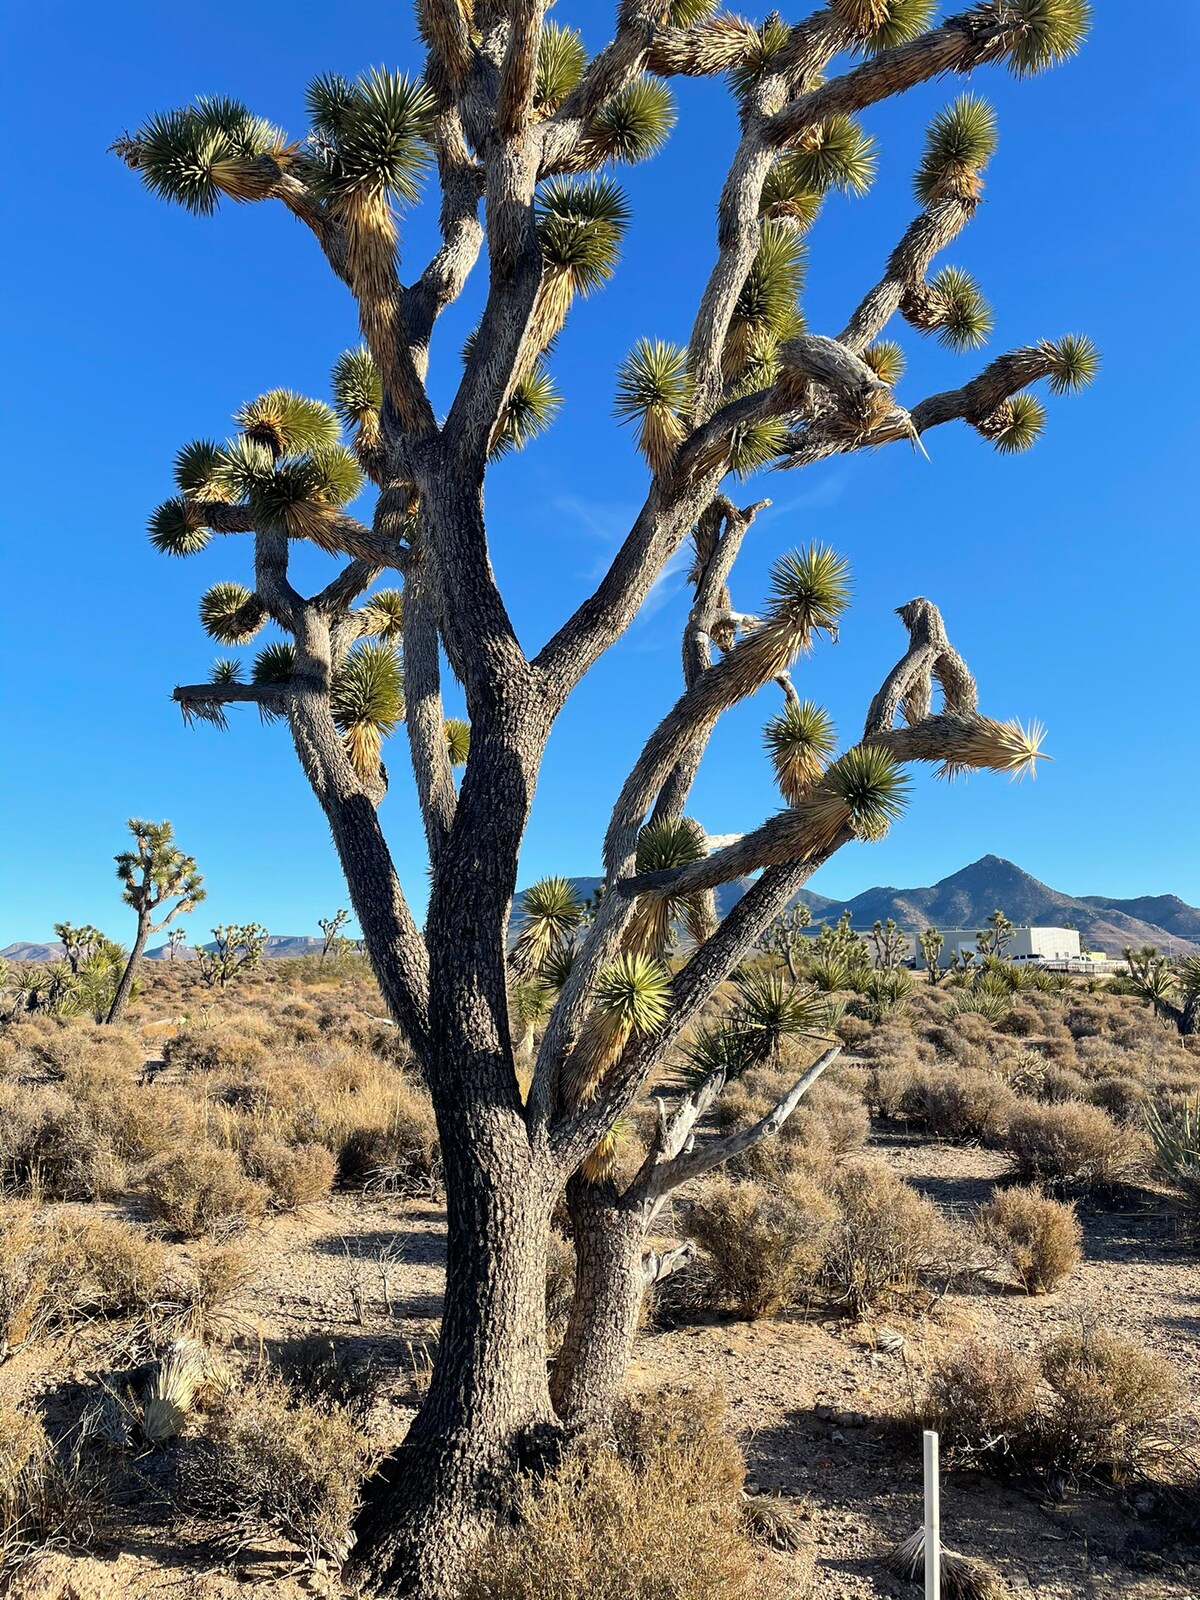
44 1501
886 1239
116 1268
219 1048
960 1102
202 1190
384 1132
1040 1238
888 1085
763 1244
271 1462
659 1514
28 1276
982 1400
50 1147
295 1175
1125 1099
1071 1146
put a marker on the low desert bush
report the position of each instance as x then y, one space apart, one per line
764 1244
1070 1146
271 1461
222 1047
295 1175
1123 1098
886 1238
383 1131
960 1102
44 1500
202 1190
655 1515
1040 1238
1085 1402
50 1147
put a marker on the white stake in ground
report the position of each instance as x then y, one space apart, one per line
933 1520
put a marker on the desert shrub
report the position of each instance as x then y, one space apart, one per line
960 1102
830 1118
28 1277
885 1239
327 1373
1060 1084
220 1048
1070 1146
1087 1019
655 1516
386 1131
1108 1394
1020 1021
202 1190
43 1499
763 1244
1039 1237
49 1145
982 1400
270 1461
887 1086
852 1030
1084 1402
296 1175
116 1268
1123 1098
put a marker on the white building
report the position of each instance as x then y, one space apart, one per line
1023 944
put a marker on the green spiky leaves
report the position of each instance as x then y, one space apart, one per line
654 390
1019 424
773 37
1074 363
458 740
561 62
294 493
176 529
288 423
799 741
357 390
231 614
787 196
1044 32
275 663
225 671
810 589
551 910
868 788
836 154
960 142
886 360
369 136
580 225
634 124
767 309
195 155
687 13
964 317
634 992
367 700
905 20
383 614
531 409
197 471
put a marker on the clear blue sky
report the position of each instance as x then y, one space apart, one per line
1069 577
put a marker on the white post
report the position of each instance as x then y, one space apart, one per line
933 1520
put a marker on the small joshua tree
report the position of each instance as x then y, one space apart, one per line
931 942
520 128
785 937
890 944
992 942
331 931
1170 988
77 943
236 947
154 874
176 939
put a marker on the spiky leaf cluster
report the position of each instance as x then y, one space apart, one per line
799 742
687 13
1024 421
664 845
1075 362
964 317
292 492
458 740
369 137
275 663
560 66
225 670
767 309
960 142
383 613
357 390
286 423
634 124
653 389
635 992
754 445
531 409
770 1009
579 226
367 701
886 360
810 589
1045 32
196 471
194 155
176 529
231 614
551 910
873 791
787 196
836 154
156 869
905 20
773 37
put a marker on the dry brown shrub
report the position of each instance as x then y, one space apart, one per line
219 1048
1123 1098
296 1174
1021 1021
386 1132
202 1190
1087 1019
28 1276
655 1516
982 1400
1040 1238
1109 1394
960 1102
1071 1146
272 1462
49 1146
853 1031
44 1500
116 1268
888 1083
764 1244
1060 1084
887 1238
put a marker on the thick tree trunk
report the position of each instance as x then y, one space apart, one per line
125 988
488 1409
609 1287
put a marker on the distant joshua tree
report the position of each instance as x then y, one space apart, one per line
154 873
176 939
517 127
785 937
1170 988
992 941
331 928
931 942
77 943
237 947
890 944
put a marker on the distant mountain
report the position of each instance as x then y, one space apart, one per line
33 952
278 945
967 898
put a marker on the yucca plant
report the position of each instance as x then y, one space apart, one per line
535 1043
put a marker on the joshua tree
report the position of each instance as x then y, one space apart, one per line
237 947
175 940
785 937
891 945
154 873
931 942
992 941
1170 988
77 943
515 120
331 928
